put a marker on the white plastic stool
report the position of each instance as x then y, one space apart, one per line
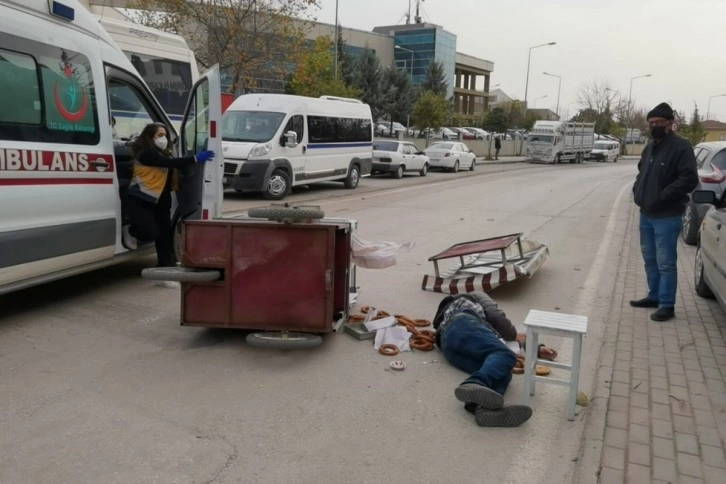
557 324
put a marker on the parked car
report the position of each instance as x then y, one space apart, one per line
397 157
711 162
605 150
464 133
710 264
441 133
452 156
383 128
478 133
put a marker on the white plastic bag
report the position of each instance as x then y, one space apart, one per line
376 255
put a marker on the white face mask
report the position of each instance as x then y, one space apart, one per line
161 142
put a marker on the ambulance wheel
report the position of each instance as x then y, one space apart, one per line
180 274
287 215
283 340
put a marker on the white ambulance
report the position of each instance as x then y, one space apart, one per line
61 180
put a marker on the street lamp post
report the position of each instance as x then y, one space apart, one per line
529 58
408 116
336 40
559 87
708 112
627 121
535 101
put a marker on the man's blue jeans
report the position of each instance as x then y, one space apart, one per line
659 246
471 346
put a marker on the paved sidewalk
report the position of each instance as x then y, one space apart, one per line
666 411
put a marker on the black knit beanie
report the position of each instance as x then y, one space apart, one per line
663 110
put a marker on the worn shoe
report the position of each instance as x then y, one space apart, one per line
663 314
644 303
479 394
510 416
128 240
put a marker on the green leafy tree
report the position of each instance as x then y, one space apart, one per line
497 120
315 76
431 111
694 131
435 79
253 41
369 81
399 94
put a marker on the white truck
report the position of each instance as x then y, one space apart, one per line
558 141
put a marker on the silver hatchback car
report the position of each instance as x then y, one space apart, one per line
711 161
710 266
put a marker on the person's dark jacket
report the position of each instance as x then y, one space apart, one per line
495 317
667 173
497 144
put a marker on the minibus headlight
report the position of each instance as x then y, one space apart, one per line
260 150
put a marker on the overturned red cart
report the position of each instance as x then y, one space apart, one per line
285 273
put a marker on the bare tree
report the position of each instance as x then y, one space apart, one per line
255 42
598 95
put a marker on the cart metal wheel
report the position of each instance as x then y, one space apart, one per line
284 340
286 214
180 274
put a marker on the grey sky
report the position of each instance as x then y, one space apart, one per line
679 42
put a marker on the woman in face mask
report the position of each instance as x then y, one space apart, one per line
155 176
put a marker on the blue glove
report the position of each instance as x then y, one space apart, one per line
204 156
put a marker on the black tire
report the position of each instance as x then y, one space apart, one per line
398 174
455 169
689 227
180 274
291 214
473 162
424 171
284 341
702 288
615 160
557 159
278 186
351 181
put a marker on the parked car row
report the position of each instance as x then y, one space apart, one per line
710 263
399 157
711 162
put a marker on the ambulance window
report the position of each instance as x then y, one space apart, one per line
128 108
46 94
296 124
19 89
197 120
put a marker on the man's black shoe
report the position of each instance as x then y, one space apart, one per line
644 303
663 314
511 416
479 394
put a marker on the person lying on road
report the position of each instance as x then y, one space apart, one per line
469 331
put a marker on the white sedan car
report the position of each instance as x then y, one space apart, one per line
397 157
450 155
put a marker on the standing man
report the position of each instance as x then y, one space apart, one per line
497 147
666 175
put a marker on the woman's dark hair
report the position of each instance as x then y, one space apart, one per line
145 140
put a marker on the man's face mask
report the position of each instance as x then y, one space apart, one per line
658 132
659 128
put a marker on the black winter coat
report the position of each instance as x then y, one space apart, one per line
667 173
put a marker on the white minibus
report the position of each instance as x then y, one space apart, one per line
164 61
62 180
273 142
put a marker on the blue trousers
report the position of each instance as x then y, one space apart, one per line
471 346
659 244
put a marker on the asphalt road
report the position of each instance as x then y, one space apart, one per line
99 383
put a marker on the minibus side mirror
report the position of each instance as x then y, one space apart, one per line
290 139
